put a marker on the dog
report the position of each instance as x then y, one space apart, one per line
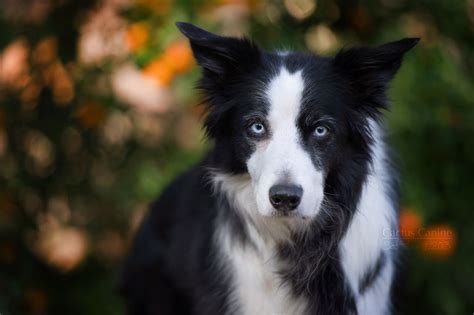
290 211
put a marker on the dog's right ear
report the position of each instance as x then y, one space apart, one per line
218 54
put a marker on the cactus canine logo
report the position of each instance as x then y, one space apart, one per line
436 240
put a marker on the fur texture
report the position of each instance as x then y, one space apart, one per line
218 241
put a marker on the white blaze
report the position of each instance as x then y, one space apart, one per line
281 158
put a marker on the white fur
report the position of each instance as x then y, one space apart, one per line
281 158
375 300
257 286
365 239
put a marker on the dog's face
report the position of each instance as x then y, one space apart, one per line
291 121
283 163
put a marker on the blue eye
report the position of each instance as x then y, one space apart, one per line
257 129
321 131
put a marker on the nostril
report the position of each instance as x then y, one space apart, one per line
276 200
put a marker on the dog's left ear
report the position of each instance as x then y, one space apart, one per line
382 61
370 70
220 55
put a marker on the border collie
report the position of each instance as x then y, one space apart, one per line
290 210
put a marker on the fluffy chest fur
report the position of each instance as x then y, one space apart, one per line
256 285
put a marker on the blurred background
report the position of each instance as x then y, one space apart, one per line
98 112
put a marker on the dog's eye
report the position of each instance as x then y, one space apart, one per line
321 131
257 129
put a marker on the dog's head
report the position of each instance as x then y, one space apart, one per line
297 123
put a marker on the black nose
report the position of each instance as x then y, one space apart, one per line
285 197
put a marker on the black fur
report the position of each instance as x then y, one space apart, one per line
372 274
173 267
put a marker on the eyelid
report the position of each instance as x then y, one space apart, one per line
325 119
255 118
327 122
322 124
312 121
254 115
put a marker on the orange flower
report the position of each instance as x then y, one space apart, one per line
438 241
410 224
90 114
178 56
137 36
160 72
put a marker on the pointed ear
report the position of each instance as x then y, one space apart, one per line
370 70
219 54
382 61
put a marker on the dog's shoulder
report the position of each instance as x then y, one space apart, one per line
187 200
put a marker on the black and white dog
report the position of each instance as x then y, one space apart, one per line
289 211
